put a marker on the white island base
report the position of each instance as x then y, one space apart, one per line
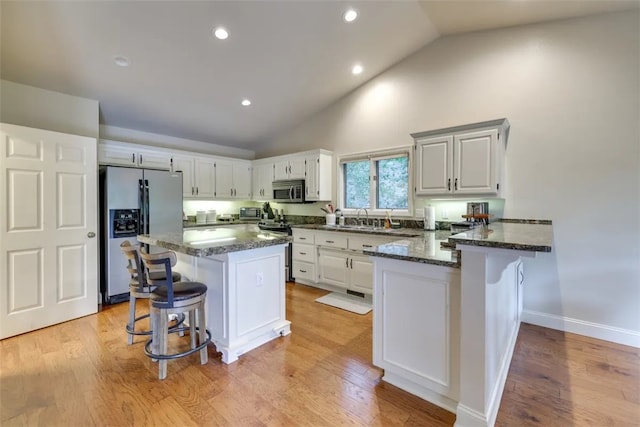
447 335
245 298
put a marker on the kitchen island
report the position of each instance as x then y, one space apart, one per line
244 273
445 332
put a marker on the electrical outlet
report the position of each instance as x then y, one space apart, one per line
259 279
445 214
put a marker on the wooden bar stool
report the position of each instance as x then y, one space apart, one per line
173 298
141 289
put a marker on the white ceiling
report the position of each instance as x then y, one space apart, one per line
291 58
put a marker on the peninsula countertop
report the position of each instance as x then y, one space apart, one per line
525 235
214 241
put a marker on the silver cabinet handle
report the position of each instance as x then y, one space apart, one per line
329 241
302 253
302 238
351 263
193 191
302 271
455 184
367 246
197 191
449 184
91 234
140 157
133 157
347 262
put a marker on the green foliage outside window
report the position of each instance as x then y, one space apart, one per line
391 187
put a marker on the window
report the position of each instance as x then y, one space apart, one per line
378 182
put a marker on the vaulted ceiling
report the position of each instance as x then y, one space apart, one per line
289 58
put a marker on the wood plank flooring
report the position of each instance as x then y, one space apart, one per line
83 373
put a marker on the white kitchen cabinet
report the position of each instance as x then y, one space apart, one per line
465 160
133 155
289 167
304 256
318 176
416 328
198 176
340 262
233 179
263 175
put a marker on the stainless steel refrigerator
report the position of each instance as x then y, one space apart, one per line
133 201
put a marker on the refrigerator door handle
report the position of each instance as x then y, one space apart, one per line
146 206
141 207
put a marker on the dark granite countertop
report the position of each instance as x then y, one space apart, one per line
191 224
524 236
425 249
214 240
400 232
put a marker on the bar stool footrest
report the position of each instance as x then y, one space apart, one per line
199 347
177 327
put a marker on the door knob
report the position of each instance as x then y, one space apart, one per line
91 234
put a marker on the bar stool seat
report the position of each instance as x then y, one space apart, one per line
174 298
138 290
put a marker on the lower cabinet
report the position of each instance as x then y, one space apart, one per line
346 269
416 329
334 259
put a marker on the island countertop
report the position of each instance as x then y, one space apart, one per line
425 249
214 241
525 235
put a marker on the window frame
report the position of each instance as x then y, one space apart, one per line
372 156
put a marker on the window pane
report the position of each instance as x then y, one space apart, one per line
356 184
393 183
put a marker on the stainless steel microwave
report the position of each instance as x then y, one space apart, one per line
291 191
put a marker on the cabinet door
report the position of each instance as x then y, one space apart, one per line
475 162
333 267
281 170
262 181
434 164
296 168
242 181
361 274
312 192
224 180
154 159
186 165
110 155
205 178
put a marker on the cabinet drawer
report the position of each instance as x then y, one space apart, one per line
363 242
304 236
304 270
304 252
332 240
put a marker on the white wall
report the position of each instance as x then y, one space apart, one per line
571 92
43 109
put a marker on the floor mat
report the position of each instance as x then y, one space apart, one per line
346 302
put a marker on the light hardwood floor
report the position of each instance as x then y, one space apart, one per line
83 373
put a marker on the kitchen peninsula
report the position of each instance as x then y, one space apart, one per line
244 273
447 333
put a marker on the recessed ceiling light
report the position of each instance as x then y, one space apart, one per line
246 102
220 33
121 61
350 15
357 69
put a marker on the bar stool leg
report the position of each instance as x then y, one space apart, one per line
163 332
204 357
192 328
132 317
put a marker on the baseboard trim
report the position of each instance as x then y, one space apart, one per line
580 327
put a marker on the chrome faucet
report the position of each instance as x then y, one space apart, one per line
358 215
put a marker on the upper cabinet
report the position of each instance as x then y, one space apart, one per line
263 174
198 176
314 166
289 167
463 160
233 179
318 175
133 155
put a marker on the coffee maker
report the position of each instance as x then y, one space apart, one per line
476 216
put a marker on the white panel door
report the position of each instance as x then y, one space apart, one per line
48 244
